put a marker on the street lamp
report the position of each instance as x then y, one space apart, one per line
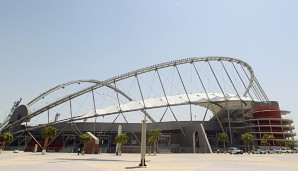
143 143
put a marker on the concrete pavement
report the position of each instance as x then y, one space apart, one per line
10 161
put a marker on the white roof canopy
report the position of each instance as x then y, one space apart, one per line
213 101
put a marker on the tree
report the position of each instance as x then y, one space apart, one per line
153 137
47 133
223 137
280 142
263 142
85 138
247 139
6 137
291 144
266 138
120 139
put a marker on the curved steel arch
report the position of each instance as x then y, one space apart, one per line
86 81
99 84
67 84
107 82
148 69
185 61
53 90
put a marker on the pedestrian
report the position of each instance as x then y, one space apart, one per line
80 148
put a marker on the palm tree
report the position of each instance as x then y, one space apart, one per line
85 138
6 137
247 139
264 142
47 133
120 139
291 144
223 137
153 136
280 142
267 138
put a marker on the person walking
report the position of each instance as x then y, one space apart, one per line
80 148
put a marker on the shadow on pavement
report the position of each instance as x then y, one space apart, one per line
94 159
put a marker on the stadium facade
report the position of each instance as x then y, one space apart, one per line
225 89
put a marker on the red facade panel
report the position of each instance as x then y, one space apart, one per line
265 116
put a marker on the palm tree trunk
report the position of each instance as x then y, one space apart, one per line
120 146
269 145
46 141
155 148
3 145
245 147
224 147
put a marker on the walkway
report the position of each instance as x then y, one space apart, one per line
10 161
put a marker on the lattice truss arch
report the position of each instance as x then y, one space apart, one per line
214 101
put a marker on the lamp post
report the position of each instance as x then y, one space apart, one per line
117 145
143 143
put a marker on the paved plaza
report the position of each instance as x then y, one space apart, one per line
24 161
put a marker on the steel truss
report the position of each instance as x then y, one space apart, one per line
213 105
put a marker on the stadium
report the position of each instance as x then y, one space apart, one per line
190 100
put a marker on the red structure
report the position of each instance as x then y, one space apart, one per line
267 119
92 147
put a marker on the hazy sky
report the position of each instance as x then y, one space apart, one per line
46 43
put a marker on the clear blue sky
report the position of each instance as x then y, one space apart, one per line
45 43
